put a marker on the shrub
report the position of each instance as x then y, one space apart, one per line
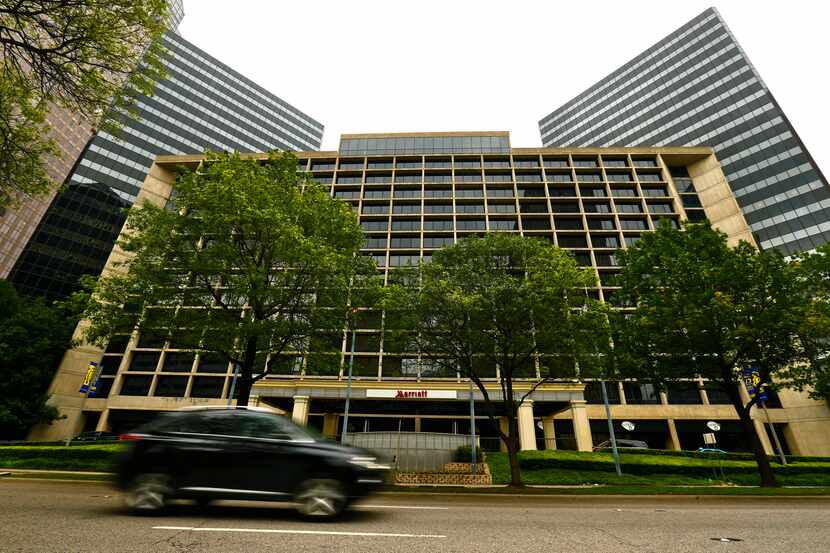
464 453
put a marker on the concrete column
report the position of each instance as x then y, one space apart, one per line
527 430
674 439
330 421
417 424
103 421
763 436
300 413
504 427
548 429
758 424
582 427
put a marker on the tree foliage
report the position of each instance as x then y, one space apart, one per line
33 338
254 261
81 55
502 301
813 271
24 145
704 309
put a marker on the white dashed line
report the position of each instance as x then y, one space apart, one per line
415 507
306 532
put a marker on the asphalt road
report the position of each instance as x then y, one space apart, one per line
69 516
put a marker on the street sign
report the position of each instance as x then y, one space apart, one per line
411 394
713 426
628 425
752 379
89 377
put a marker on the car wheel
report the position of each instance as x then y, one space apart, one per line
148 493
321 498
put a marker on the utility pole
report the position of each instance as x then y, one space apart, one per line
473 428
611 429
348 392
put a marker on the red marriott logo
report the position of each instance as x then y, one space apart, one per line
403 394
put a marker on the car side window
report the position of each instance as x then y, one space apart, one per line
223 423
261 425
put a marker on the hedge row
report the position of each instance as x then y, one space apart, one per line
632 465
730 456
93 458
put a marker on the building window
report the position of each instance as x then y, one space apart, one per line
144 361
641 394
171 386
684 393
110 364
178 362
117 344
207 387
593 392
136 385
438 224
573 241
212 363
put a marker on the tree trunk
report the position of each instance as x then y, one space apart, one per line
732 388
768 479
513 452
245 380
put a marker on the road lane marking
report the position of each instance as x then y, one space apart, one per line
417 507
311 532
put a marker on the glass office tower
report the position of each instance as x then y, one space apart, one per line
697 87
202 104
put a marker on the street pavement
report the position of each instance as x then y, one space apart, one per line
47 516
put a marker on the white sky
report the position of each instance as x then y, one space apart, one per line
454 65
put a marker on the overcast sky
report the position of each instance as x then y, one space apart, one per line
450 65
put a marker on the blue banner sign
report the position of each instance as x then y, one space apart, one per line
89 377
752 379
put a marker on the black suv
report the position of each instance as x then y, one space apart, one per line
242 453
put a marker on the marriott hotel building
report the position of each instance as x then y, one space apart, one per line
416 193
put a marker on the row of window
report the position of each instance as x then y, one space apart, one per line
564 240
496 207
505 177
556 162
678 393
554 191
480 224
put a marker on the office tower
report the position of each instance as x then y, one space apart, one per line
697 87
201 105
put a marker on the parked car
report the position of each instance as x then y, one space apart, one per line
95 436
242 453
622 444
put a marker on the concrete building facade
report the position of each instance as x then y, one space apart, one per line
416 193
694 87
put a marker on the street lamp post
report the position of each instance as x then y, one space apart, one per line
611 429
473 428
348 392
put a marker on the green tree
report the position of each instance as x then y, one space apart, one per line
704 309
254 262
91 57
813 271
33 338
24 145
501 305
